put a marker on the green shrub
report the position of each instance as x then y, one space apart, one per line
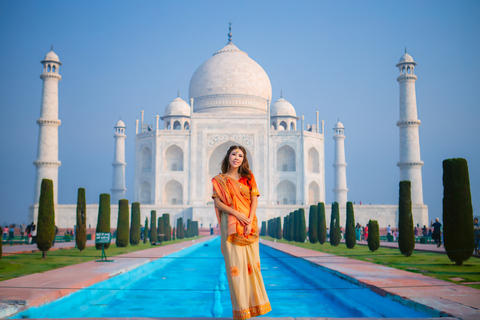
81 226
135 229
291 226
153 227
46 218
303 226
173 234
67 237
285 228
263 231
406 231
103 221
457 211
167 228
180 228
373 235
145 231
279 228
160 230
322 223
335 235
189 229
350 234
123 224
313 224
296 222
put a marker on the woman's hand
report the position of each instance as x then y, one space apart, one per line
248 229
244 220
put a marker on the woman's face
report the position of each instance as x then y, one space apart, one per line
235 159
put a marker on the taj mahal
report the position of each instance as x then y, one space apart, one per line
230 103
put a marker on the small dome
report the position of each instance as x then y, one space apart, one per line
406 58
177 107
51 56
120 123
339 125
282 107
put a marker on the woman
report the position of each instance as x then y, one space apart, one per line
235 196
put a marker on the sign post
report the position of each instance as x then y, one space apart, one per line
103 237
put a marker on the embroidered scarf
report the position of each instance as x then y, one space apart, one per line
236 195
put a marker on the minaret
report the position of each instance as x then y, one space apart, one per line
340 167
47 153
118 187
410 163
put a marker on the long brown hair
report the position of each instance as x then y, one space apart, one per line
244 168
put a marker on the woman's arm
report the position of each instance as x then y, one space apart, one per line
253 207
223 207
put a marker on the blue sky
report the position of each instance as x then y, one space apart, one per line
337 57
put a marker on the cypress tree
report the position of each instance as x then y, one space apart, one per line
303 226
153 227
46 218
373 235
296 219
313 224
180 229
335 225
189 228
122 224
322 223
81 228
279 228
135 228
160 230
291 226
350 234
457 211
285 228
145 231
264 228
167 228
406 235
173 233
103 221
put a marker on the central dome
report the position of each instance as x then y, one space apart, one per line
230 82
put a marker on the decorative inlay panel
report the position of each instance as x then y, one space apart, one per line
246 139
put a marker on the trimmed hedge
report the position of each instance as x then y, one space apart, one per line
122 224
46 218
457 211
153 227
81 226
279 228
103 221
350 234
406 232
160 230
303 226
135 229
373 235
291 226
285 228
180 229
167 228
145 231
263 231
335 234
322 223
313 224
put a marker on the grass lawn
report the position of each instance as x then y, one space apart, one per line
434 265
28 263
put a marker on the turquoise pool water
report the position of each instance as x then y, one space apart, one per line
192 283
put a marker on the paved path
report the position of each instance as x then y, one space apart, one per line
39 288
418 290
27 248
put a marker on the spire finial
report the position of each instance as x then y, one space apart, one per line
52 47
405 49
230 32
281 94
178 93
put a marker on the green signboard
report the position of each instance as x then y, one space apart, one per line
102 237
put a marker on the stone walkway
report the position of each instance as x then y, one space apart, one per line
417 290
27 248
39 288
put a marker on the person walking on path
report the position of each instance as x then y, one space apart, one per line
22 230
5 233
11 233
476 228
436 234
389 230
235 196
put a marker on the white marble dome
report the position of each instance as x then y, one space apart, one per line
230 82
177 107
406 58
51 56
120 124
339 125
282 107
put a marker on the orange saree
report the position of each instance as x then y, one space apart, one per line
240 251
